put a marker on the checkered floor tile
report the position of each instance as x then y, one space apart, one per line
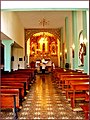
45 101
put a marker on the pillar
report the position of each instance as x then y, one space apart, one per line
58 41
7 54
88 46
75 39
84 17
61 49
85 29
67 40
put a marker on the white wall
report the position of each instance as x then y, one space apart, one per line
69 15
11 26
17 53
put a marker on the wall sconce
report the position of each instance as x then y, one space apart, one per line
65 53
73 47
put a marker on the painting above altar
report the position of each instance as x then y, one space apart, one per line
44 44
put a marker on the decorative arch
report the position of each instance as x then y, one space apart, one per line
43 43
82 48
30 32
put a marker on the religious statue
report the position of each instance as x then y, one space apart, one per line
81 55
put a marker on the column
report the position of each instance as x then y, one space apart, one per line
75 39
84 17
58 42
88 46
28 52
7 54
61 49
67 40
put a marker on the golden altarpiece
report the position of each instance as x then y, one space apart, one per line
42 43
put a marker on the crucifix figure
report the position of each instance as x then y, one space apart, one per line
43 22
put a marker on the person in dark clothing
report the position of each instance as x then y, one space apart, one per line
67 65
43 68
32 64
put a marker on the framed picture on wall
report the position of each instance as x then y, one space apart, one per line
20 59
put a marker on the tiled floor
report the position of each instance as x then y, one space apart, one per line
45 101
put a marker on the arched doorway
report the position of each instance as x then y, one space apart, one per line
42 45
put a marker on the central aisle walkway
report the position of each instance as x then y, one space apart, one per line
44 101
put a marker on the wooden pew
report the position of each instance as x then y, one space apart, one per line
18 80
70 76
86 107
30 72
19 86
87 97
60 79
69 73
17 75
13 82
9 98
73 80
22 73
76 86
58 71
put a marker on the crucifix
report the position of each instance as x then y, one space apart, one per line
43 22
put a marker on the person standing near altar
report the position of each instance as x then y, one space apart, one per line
43 68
